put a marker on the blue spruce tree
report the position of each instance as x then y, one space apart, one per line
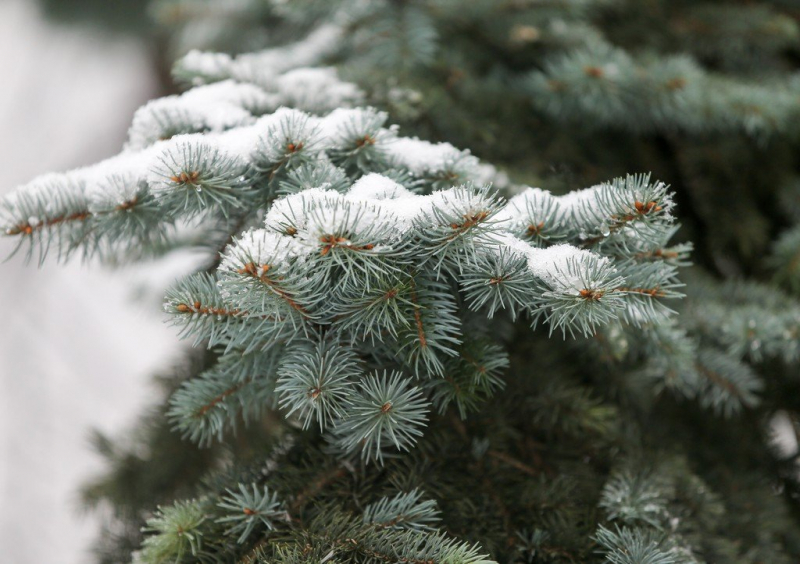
406 353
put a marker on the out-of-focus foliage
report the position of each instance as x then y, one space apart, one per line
117 16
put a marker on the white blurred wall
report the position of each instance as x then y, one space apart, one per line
75 351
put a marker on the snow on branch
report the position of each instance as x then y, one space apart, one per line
344 247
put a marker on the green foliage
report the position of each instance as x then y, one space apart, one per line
250 510
403 511
371 302
337 535
238 386
315 382
126 16
192 178
176 533
627 546
386 412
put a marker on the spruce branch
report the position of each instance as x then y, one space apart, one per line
387 411
250 509
177 533
317 381
403 511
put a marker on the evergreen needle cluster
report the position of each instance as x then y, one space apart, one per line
406 354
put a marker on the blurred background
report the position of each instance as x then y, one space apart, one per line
72 338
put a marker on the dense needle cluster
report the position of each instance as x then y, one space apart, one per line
404 354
